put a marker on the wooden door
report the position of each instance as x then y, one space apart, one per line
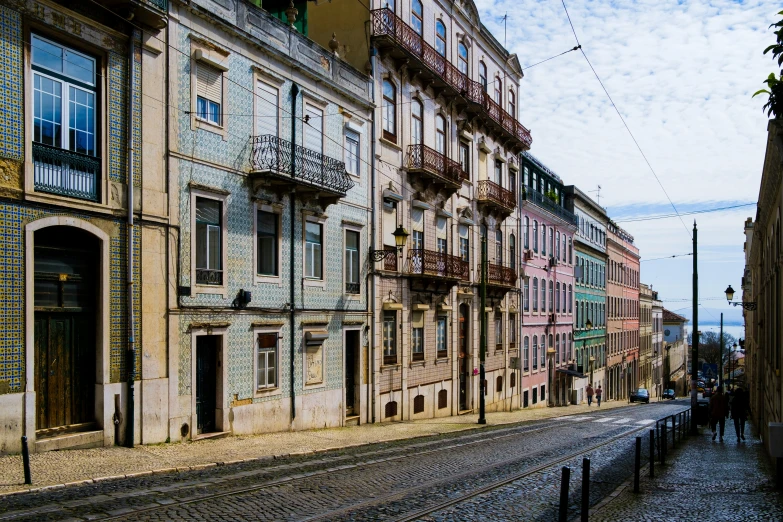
206 382
64 369
351 369
463 357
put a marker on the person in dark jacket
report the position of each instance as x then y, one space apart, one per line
719 411
739 412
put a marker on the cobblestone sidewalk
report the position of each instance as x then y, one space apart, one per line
703 479
72 467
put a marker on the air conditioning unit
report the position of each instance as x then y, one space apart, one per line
552 261
528 255
552 318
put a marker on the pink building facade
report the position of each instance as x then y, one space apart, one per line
547 288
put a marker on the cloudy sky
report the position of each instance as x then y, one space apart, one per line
682 75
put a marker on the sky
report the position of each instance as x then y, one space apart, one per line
682 74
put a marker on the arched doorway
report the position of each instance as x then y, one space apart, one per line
66 281
464 358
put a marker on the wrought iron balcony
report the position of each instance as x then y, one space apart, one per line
491 194
429 263
61 171
209 277
279 162
391 32
390 262
436 166
498 275
547 204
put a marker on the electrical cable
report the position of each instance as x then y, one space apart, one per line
666 216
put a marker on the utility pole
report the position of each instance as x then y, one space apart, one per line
720 356
695 359
483 322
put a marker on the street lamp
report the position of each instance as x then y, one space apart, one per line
732 360
747 305
400 238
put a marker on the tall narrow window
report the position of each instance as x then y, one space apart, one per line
483 75
440 134
389 337
389 111
499 91
462 55
551 241
557 297
209 270
464 243
557 349
267 242
441 337
352 156
534 232
266 362
535 294
441 234
499 172
526 295
313 250
557 247
440 38
499 247
543 295
526 233
417 16
498 331
526 353
551 291
64 95
417 119
266 109
417 336
464 157
209 93
512 252
535 352
314 129
512 105
570 298
352 284
543 240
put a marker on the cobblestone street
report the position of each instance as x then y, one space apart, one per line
705 480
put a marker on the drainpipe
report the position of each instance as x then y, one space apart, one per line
371 272
292 215
131 354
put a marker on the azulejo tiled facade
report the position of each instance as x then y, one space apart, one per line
53 179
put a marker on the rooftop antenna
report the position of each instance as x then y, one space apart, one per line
505 32
597 194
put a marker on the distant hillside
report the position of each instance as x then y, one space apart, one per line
732 316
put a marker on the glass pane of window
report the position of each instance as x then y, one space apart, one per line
47 111
267 226
79 67
46 54
81 126
352 152
313 258
351 257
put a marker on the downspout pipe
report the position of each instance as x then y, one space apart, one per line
371 272
131 353
292 215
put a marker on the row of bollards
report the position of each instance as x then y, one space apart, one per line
26 461
680 424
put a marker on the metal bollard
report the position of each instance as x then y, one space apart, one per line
652 453
663 442
26 461
674 434
658 439
564 482
585 489
637 464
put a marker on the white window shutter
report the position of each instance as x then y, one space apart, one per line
209 82
266 110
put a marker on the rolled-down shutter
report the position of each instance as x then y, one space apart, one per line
266 110
209 82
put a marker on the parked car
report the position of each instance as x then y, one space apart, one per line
668 394
641 395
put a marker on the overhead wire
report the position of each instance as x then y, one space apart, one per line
665 216
625 124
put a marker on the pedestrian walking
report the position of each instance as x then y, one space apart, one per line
598 394
719 411
739 411
589 391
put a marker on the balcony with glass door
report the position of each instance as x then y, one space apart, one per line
435 167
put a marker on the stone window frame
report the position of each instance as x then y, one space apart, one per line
209 54
267 329
222 197
273 209
101 110
312 282
349 227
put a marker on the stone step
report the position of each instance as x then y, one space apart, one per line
352 420
80 440
212 435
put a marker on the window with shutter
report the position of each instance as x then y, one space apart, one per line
267 101
209 93
313 130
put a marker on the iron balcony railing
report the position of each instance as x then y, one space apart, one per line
271 153
492 192
205 276
390 262
547 204
160 4
421 157
499 275
61 171
436 264
385 23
